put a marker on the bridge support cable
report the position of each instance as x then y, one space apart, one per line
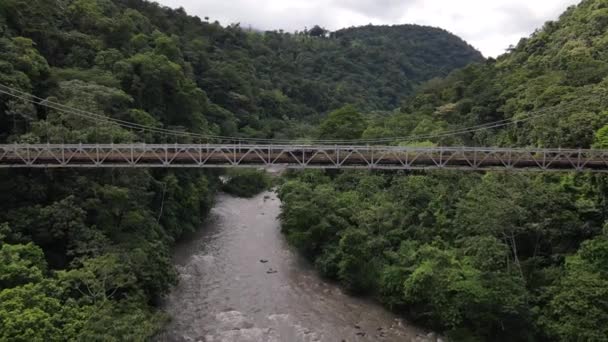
208 138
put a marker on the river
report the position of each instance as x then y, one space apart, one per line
240 281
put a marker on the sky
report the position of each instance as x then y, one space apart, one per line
489 25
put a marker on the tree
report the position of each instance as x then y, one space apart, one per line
601 138
345 123
100 279
20 265
160 87
578 306
317 31
355 270
246 183
28 313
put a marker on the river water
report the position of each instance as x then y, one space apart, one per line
226 293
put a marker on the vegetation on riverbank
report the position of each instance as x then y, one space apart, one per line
482 257
246 182
494 257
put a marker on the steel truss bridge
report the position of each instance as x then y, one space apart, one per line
299 156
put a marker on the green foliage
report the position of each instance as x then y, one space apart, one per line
39 312
29 313
20 265
246 182
601 138
345 123
160 87
469 255
99 279
555 86
577 309
37 306
119 321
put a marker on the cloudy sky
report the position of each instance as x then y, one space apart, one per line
489 25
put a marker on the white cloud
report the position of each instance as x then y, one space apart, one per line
489 25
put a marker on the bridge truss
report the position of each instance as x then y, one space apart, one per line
298 156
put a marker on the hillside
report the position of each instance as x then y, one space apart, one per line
86 255
482 257
235 82
553 83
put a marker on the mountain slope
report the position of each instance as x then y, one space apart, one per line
374 67
250 81
554 82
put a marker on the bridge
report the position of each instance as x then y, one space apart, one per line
140 155
266 153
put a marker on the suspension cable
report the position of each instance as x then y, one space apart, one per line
135 126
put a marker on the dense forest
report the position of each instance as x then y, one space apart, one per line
85 255
482 257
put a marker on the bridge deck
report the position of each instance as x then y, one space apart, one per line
298 156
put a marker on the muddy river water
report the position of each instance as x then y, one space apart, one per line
240 281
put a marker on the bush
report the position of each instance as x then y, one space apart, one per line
246 182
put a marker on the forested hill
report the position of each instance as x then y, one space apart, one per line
406 53
553 83
191 72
